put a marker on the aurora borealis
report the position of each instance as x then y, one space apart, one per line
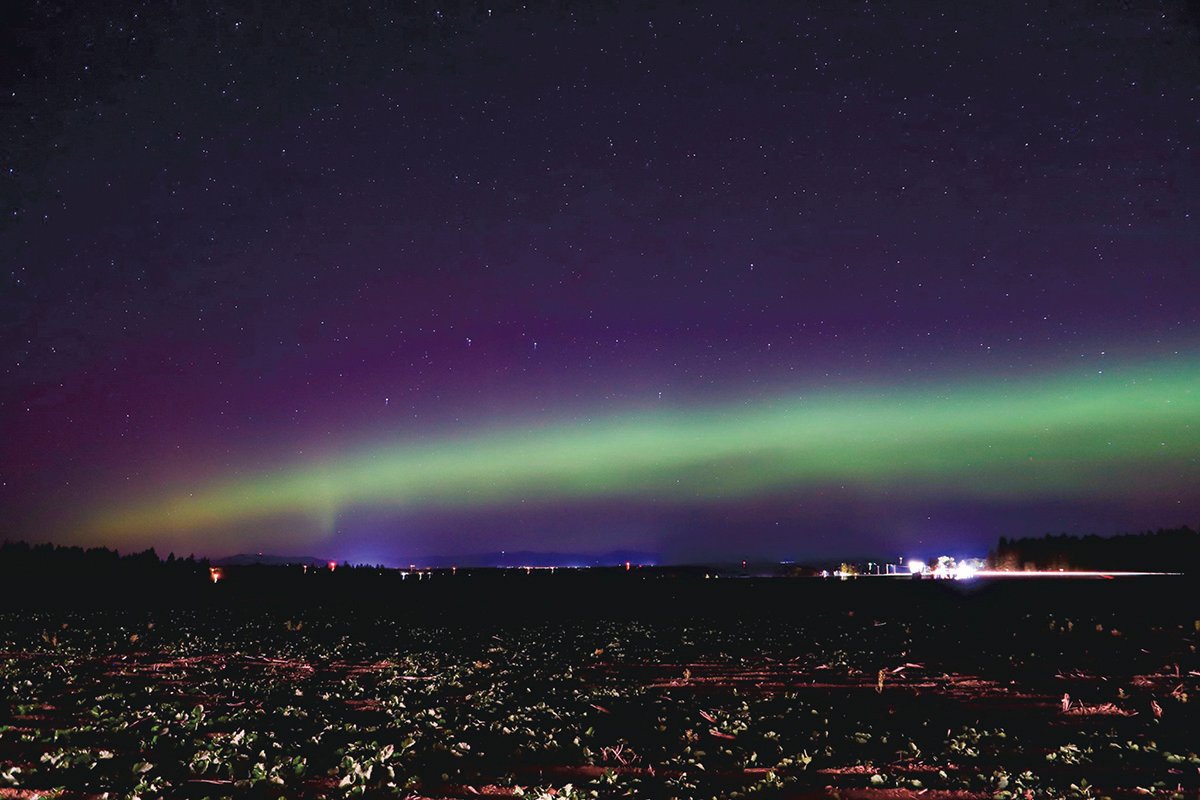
706 280
1126 432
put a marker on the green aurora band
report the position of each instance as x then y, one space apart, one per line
1125 432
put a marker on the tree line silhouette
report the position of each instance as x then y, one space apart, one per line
1162 550
47 572
51 574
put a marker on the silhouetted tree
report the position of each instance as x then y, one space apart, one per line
1164 550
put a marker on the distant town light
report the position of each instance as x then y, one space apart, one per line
332 566
916 566
215 573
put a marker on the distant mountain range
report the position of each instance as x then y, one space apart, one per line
247 559
503 558
533 558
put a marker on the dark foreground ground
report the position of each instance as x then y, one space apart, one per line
614 685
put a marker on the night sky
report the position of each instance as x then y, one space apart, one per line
708 280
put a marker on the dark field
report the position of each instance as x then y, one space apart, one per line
607 685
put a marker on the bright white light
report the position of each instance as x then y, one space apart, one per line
965 571
916 566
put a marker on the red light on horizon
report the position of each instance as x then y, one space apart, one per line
332 566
